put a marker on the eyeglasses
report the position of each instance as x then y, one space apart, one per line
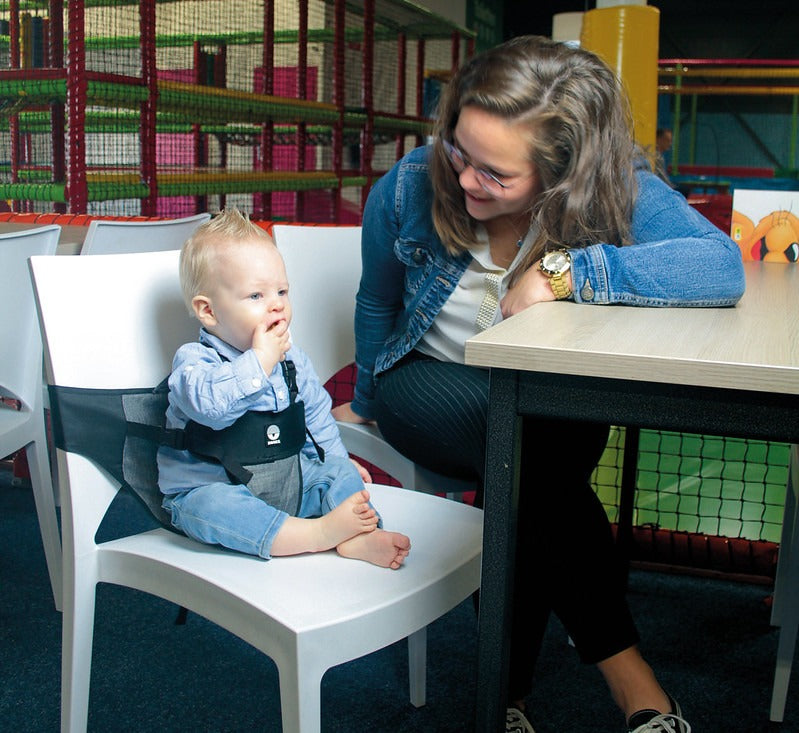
490 183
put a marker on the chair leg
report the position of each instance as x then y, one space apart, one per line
77 637
417 667
51 452
785 612
42 487
782 672
300 696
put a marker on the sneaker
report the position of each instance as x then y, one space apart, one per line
516 722
651 721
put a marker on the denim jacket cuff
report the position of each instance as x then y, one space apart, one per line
589 275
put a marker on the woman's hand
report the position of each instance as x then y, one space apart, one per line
531 288
344 413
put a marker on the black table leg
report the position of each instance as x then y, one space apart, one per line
499 543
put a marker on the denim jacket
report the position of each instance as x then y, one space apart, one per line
678 259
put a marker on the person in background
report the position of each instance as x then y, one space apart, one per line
663 140
532 190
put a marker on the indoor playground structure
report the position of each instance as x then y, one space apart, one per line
288 109
693 87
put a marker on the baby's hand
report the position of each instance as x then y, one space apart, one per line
271 344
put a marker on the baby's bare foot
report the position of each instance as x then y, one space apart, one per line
386 549
348 519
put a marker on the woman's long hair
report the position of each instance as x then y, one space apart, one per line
580 143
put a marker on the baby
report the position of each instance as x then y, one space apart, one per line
244 370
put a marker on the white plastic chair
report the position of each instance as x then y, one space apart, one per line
21 379
323 265
309 612
118 237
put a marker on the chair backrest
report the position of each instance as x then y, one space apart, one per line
111 322
323 265
120 237
21 353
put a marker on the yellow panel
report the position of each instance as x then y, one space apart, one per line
626 38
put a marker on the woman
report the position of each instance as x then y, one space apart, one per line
532 190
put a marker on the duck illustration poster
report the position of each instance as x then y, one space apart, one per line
765 224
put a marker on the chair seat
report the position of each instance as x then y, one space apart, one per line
12 421
308 595
366 441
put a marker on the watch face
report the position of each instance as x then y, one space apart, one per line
555 261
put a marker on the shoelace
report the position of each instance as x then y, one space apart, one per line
667 723
515 722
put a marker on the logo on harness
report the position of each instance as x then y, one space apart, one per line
273 435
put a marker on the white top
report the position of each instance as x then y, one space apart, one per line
456 321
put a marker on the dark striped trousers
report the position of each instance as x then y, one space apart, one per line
435 413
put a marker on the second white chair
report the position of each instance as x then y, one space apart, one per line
107 236
324 270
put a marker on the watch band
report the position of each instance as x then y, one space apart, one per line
560 286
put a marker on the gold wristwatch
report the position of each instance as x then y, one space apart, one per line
555 265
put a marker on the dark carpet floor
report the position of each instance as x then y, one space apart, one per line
709 640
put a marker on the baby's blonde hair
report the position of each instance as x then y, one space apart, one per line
229 226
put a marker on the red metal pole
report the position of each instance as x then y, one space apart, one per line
402 61
456 51
262 202
420 49
220 80
57 117
13 121
148 111
302 93
13 29
76 192
339 69
198 146
367 101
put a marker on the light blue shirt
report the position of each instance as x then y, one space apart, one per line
214 384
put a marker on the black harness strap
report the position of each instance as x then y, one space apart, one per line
122 429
